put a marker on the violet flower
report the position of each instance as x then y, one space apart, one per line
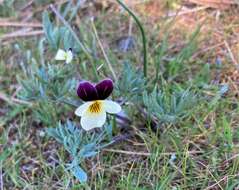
93 111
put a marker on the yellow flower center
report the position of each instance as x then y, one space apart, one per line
95 107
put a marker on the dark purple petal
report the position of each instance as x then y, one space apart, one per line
104 88
87 91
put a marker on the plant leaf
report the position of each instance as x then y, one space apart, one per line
79 173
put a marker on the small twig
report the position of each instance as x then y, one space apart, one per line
23 34
20 24
103 51
217 4
27 5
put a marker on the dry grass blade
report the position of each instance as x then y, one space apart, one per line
210 48
13 100
128 152
188 11
230 53
146 153
103 51
42 8
225 178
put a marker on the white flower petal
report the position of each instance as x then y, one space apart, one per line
90 121
82 109
60 55
111 107
69 56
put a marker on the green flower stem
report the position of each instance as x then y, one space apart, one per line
114 126
142 33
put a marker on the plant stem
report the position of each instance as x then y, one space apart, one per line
142 33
